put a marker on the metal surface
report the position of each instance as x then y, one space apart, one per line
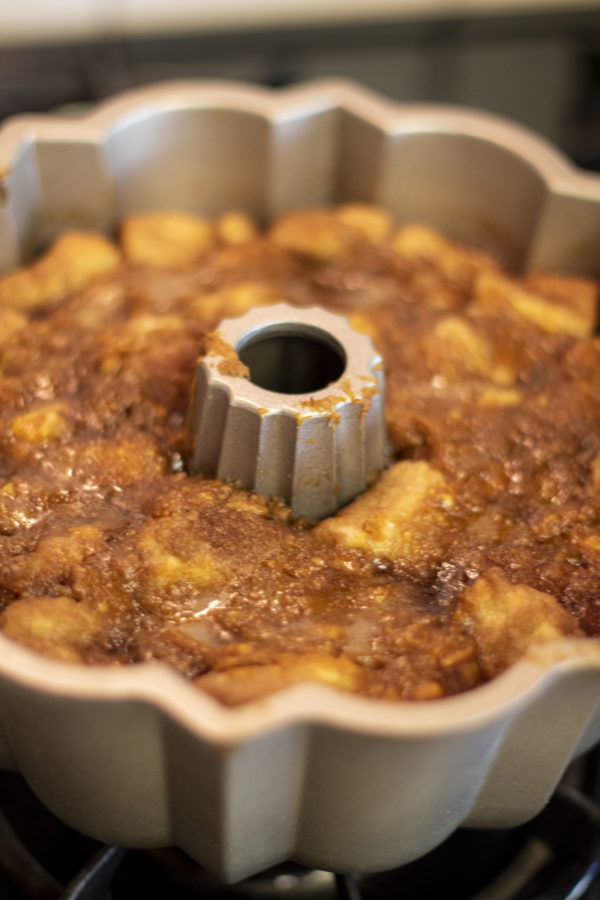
554 857
290 429
138 757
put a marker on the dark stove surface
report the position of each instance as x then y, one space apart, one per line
554 857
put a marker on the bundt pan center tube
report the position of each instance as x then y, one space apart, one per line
137 756
305 423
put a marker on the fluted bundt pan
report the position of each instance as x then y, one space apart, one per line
137 756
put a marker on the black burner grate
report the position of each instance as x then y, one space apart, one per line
554 857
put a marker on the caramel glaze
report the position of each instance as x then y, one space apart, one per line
111 554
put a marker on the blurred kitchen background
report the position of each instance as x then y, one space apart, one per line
535 61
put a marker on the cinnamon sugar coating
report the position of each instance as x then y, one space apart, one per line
481 539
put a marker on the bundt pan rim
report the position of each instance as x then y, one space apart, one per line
422 768
156 682
560 182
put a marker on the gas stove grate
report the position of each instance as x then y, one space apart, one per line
555 857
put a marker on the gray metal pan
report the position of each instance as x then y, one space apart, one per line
137 756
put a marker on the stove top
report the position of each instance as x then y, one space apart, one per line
554 857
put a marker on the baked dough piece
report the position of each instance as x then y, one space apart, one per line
456 263
325 235
242 683
403 517
71 263
166 239
506 619
58 627
560 306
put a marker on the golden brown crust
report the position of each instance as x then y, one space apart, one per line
71 263
506 619
404 516
166 239
481 540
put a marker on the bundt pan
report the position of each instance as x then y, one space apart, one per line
135 755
